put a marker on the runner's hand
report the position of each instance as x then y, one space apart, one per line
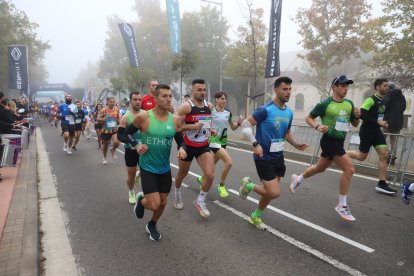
323 128
142 149
182 154
258 150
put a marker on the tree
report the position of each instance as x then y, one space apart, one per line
16 29
395 56
247 57
186 63
117 86
333 32
136 79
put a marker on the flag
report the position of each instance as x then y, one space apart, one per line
128 35
18 68
173 12
272 61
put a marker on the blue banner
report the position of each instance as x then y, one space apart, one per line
18 68
128 35
272 61
173 12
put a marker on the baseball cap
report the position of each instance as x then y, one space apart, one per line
342 79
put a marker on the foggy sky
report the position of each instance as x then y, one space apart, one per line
76 29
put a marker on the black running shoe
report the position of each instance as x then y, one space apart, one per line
151 229
74 148
385 189
138 208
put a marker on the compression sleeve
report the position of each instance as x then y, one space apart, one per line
125 135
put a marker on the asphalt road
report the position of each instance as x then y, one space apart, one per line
305 235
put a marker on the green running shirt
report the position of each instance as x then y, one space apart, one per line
136 135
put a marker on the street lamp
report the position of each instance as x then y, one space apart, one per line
220 56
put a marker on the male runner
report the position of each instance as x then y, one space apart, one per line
67 113
157 127
80 118
131 155
110 118
273 121
148 101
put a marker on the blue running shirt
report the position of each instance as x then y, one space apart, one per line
272 125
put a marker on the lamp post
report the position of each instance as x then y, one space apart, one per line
220 56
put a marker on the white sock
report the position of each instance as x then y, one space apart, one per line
411 188
300 178
342 200
131 191
202 196
177 189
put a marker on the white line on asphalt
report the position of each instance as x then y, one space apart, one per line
298 244
312 225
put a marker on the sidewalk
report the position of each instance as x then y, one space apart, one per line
19 235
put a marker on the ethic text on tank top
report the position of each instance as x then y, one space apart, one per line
198 138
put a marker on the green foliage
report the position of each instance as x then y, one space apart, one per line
333 31
395 59
186 63
16 29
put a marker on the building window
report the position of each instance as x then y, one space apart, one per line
299 102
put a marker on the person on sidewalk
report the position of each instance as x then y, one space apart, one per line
221 120
131 155
395 105
157 127
273 121
336 113
370 134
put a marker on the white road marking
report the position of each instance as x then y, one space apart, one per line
312 225
339 265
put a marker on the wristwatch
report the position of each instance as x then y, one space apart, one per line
255 144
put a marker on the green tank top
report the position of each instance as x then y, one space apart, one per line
136 135
158 138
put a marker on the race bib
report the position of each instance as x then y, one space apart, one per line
69 118
214 146
277 145
206 121
78 121
341 124
111 124
380 117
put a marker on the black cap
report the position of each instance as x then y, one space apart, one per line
342 79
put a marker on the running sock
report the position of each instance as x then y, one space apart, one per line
202 196
222 184
131 191
382 182
342 200
250 186
177 189
152 222
411 188
257 213
300 178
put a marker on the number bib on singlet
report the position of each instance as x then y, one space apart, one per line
69 118
277 145
111 124
341 124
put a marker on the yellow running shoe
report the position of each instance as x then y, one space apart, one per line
222 191
131 196
257 222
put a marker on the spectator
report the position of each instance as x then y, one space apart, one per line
395 105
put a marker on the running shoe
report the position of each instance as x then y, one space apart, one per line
131 198
257 222
138 207
222 191
74 148
178 203
113 153
344 212
293 183
65 147
201 209
88 137
104 162
243 192
200 179
406 194
69 151
151 229
385 189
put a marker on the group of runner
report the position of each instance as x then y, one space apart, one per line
199 128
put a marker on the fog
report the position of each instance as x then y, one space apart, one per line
76 29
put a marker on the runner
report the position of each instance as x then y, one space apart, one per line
336 113
98 125
80 118
131 155
407 190
370 134
110 118
86 125
157 128
148 101
222 119
197 116
273 122
67 112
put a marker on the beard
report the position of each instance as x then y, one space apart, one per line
68 101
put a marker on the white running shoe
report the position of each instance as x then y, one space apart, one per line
344 212
201 209
293 183
65 147
69 151
104 162
178 203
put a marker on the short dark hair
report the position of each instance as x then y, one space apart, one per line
159 87
281 80
133 93
378 82
219 94
199 81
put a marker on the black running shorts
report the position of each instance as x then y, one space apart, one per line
131 157
78 127
270 169
331 147
195 152
68 128
155 183
371 137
